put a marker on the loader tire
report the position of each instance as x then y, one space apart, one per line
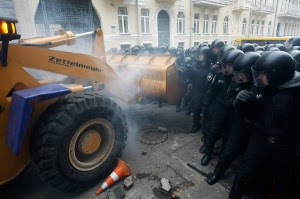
77 141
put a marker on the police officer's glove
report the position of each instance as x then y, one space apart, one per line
243 96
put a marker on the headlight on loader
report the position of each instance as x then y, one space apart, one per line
7 27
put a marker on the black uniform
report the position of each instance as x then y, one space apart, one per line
272 147
198 78
224 91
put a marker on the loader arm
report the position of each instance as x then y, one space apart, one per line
71 64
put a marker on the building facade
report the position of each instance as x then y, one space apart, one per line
126 23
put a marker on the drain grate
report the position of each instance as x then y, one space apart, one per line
152 136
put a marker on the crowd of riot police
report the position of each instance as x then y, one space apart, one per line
249 97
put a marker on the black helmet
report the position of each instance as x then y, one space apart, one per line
273 69
223 50
296 55
274 49
296 48
228 60
257 48
242 67
202 44
281 47
260 52
173 51
193 52
247 47
216 45
203 51
294 41
135 50
162 49
269 46
188 61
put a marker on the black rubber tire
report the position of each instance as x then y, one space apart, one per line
55 129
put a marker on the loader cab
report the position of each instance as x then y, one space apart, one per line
8 32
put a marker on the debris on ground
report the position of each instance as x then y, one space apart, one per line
128 183
162 129
165 186
144 153
117 193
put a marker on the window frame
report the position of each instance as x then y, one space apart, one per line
244 26
181 20
214 25
226 25
205 23
145 21
196 23
123 17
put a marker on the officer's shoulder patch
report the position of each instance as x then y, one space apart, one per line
209 77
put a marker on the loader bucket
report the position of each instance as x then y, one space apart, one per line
153 75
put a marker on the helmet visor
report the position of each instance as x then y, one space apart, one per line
241 76
227 69
260 78
215 50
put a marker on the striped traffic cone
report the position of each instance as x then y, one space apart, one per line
122 170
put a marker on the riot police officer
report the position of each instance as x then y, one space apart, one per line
199 88
272 145
213 76
240 127
216 46
221 113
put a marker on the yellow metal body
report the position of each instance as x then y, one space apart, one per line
156 76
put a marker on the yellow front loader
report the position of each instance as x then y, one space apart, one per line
71 130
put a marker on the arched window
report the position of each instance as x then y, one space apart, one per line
180 23
269 28
244 26
225 25
252 27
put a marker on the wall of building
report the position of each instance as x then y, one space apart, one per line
108 14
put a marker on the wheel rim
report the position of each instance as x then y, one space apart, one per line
91 144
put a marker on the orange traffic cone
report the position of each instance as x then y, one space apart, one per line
122 170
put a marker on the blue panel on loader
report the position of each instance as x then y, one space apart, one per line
21 109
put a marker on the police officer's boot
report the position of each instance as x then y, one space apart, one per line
195 128
206 159
216 175
202 149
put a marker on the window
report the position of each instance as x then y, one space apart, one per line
225 25
180 23
205 23
244 26
123 20
285 28
269 28
257 27
196 23
252 27
214 24
181 44
145 21
125 46
147 45
262 28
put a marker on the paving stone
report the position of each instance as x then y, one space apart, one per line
128 183
165 186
